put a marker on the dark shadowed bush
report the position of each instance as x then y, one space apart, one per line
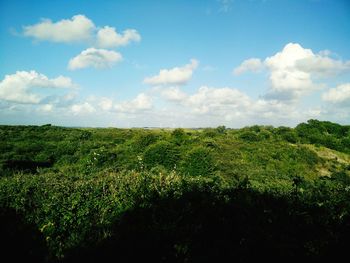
179 136
249 136
20 241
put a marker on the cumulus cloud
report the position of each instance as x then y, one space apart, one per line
207 106
322 65
252 64
273 109
105 104
293 71
82 108
107 37
208 101
338 95
78 28
174 76
60 101
81 29
285 77
217 100
142 102
210 106
173 94
97 58
19 87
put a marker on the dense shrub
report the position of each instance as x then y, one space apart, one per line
179 136
205 195
161 153
249 136
143 140
221 129
199 161
287 134
168 217
331 135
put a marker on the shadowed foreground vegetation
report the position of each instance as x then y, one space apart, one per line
207 195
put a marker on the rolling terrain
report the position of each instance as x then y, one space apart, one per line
175 195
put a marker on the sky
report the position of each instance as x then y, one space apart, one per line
200 63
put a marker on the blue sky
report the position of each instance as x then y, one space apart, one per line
174 63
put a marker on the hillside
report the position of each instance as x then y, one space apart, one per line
175 195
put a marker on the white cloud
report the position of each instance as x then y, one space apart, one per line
105 104
78 28
60 101
142 102
273 109
214 106
322 65
81 29
174 76
19 87
252 64
338 95
97 58
294 70
208 106
288 56
285 76
217 100
107 37
173 94
82 108
46 108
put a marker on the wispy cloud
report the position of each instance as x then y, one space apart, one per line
225 5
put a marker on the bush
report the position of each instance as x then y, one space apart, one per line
287 134
221 129
111 192
179 136
143 140
161 153
210 132
199 161
249 136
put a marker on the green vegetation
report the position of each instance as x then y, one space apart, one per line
181 195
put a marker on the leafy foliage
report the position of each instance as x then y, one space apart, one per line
199 161
161 153
176 196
